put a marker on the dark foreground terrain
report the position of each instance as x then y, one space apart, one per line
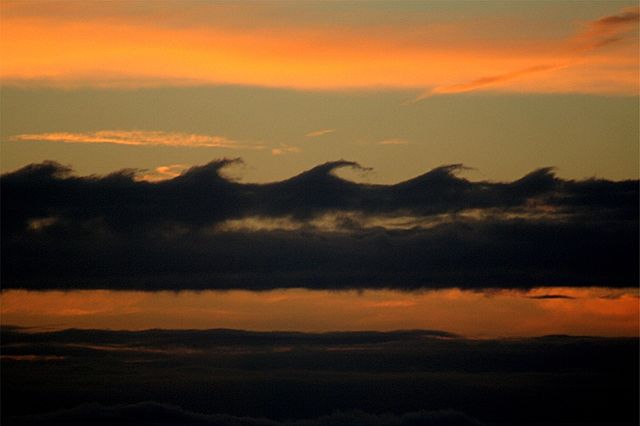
232 377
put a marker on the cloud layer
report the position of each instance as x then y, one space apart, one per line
115 231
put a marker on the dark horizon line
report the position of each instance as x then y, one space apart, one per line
241 332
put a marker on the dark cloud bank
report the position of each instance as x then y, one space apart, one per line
114 231
228 377
152 413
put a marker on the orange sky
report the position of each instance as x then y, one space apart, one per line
432 48
47 46
594 311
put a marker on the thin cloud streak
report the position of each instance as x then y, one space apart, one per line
284 149
394 141
137 138
608 30
489 81
598 34
319 133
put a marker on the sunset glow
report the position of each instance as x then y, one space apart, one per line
596 311
82 48
319 212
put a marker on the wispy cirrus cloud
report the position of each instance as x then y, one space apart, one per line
318 133
572 52
284 149
493 80
394 141
608 29
138 138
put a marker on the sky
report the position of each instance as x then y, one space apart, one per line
328 180
602 312
401 87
